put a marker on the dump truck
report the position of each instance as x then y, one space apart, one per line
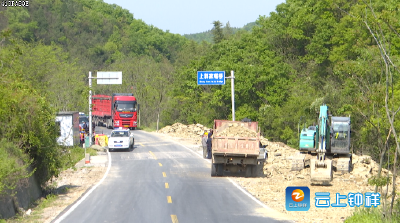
236 151
325 148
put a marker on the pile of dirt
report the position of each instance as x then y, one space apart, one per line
277 175
270 187
193 131
236 129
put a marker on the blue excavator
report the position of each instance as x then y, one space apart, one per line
324 148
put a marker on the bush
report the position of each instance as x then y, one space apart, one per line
13 166
28 123
366 215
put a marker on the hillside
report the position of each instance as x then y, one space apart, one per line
93 31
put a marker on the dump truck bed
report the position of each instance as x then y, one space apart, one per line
233 143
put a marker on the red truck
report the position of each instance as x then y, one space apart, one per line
118 110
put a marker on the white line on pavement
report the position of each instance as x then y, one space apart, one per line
87 194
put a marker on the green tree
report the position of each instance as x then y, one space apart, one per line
217 32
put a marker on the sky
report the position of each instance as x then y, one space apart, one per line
189 17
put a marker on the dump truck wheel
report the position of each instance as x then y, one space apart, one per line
213 170
254 170
260 168
220 169
248 171
351 163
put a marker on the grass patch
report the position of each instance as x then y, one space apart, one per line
371 215
147 129
48 201
91 151
73 155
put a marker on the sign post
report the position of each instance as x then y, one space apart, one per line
103 77
217 78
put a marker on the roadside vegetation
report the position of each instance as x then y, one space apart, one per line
68 159
372 215
308 52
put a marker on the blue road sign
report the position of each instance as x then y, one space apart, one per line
210 77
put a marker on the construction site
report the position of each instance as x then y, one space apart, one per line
277 174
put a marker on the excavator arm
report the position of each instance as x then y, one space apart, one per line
321 169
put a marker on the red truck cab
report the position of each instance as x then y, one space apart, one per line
124 111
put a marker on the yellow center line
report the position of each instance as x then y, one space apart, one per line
141 144
164 174
169 199
166 185
159 164
174 219
156 142
153 154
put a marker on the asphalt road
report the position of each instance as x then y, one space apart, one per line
162 181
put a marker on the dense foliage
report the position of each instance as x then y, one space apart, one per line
306 53
227 30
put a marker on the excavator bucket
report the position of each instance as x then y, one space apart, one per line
321 175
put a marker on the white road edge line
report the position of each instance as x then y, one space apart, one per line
87 194
248 194
198 154
234 183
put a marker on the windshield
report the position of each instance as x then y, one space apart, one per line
125 106
119 134
340 127
83 119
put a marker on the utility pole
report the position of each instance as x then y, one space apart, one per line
232 77
90 110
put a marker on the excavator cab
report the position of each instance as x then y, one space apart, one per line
340 143
307 138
